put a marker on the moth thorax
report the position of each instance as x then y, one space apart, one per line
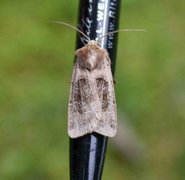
92 61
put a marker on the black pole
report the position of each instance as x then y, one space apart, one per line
96 18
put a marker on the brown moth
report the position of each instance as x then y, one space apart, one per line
92 104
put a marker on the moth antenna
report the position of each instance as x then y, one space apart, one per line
73 27
125 30
86 40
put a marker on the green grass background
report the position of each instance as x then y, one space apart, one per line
36 59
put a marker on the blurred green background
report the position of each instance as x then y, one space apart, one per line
36 59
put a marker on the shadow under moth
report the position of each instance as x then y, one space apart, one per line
92 104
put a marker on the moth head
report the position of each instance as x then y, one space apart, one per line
93 45
91 56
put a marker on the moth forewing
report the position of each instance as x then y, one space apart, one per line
92 105
84 106
108 124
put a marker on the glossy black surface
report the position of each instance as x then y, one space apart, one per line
87 157
96 18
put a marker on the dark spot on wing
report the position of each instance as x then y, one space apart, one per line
82 95
103 92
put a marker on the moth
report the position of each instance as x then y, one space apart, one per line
92 104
